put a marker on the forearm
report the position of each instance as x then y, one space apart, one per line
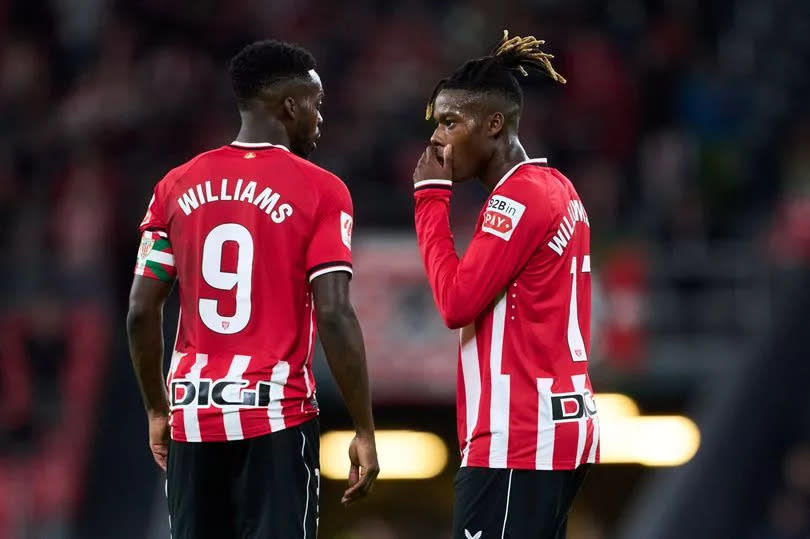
458 305
342 341
145 332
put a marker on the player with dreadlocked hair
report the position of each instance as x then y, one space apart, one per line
527 423
496 71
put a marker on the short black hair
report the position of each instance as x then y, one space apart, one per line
263 63
496 73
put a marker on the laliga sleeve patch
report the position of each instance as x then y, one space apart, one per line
502 216
346 223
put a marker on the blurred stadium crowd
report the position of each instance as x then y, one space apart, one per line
682 124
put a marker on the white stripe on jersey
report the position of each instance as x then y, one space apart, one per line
230 414
594 438
472 382
278 379
499 405
575 342
309 353
545 425
190 420
579 387
176 358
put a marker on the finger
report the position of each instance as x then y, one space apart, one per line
353 493
356 493
447 156
160 459
354 475
430 155
362 488
422 159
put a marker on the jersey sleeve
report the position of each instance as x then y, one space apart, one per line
513 224
155 255
154 220
330 246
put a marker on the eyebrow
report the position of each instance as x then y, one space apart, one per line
443 115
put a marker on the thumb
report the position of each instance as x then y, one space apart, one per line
448 161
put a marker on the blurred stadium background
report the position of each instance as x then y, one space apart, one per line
685 127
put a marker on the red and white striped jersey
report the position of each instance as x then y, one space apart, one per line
244 228
521 295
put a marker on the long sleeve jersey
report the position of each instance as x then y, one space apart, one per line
521 297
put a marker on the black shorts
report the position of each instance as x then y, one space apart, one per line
263 487
516 504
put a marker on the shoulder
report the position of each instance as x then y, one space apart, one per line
530 182
531 190
323 181
541 183
179 171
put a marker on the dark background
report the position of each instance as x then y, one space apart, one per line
684 126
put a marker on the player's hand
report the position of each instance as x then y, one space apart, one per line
432 166
159 438
364 468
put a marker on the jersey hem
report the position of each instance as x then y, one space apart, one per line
250 433
544 466
327 267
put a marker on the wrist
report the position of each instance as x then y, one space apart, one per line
367 433
433 183
157 413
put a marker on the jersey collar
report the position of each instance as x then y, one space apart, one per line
258 145
541 160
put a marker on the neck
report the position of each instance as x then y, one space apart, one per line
505 157
259 128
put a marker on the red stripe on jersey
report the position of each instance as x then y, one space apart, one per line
469 388
566 434
589 432
523 415
462 401
588 441
184 364
482 437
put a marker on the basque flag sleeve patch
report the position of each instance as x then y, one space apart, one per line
155 257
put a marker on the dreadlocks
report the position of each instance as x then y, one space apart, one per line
494 73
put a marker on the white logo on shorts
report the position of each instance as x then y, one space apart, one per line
468 535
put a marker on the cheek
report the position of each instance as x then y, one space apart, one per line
308 123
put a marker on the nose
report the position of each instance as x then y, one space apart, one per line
320 119
435 138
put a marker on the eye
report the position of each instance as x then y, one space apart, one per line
449 123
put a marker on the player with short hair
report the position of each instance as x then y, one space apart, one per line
527 422
258 240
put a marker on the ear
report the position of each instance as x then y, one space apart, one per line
289 106
495 124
